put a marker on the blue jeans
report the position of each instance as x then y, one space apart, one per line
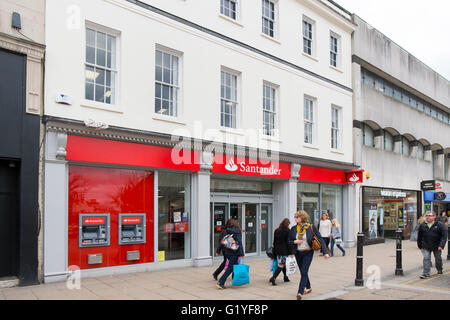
231 261
304 260
332 247
427 260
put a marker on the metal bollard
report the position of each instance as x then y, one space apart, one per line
448 244
398 269
359 281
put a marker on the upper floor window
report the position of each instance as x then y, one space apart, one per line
268 18
405 146
420 151
269 110
309 120
335 128
229 8
307 36
100 66
228 99
368 136
334 50
166 83
388 141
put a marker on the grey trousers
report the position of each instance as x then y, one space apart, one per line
427 260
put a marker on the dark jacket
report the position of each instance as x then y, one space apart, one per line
293 237
281 245
432 238
237 236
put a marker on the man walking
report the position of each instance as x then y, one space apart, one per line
431 237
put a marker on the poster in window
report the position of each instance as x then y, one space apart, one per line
373 217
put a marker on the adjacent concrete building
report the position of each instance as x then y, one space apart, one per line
22 38
401 135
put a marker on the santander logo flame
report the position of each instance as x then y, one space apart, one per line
354 178
231 166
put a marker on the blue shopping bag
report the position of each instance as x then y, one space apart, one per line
274 266
241 274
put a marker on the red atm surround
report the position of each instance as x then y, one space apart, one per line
105 190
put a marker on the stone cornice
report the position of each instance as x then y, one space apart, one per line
33 50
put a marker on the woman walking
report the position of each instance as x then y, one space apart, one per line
281 249
325 228
220 250
301 238
336 237
232 256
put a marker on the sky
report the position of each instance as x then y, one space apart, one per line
421 27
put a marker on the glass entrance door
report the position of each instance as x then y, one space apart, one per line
255 220
265 223
219 220
250 227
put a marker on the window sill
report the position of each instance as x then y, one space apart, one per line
310 146
101 106
272 138
270 38
336 69
231 131
169 119
337 151
310 57
236 22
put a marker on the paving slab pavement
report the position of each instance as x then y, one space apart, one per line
330 279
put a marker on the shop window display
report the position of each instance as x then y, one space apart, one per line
174 219
386 210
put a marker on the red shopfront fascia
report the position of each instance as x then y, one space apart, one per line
97 190
326 175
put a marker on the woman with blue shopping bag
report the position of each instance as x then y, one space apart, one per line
233 249
281 249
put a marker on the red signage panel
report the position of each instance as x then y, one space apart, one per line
96 221
251 167
326 175
355 176
87 149
133 220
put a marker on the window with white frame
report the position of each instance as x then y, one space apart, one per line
229 8
334 50
228 99
309 120
268 18
269 110
307 36
335 128
100 66
166 83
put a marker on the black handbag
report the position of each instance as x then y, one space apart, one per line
270 253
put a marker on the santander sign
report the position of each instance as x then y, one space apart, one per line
255 168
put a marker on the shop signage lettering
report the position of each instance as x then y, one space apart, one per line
94 221
251 167
440 196
428 185
131 220
395 194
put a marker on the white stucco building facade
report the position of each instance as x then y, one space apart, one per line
265 86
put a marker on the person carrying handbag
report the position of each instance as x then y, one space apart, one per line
304 238
281 249
336 237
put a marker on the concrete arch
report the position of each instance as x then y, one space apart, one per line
424 142
392 131
409 136
372 124
436 147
